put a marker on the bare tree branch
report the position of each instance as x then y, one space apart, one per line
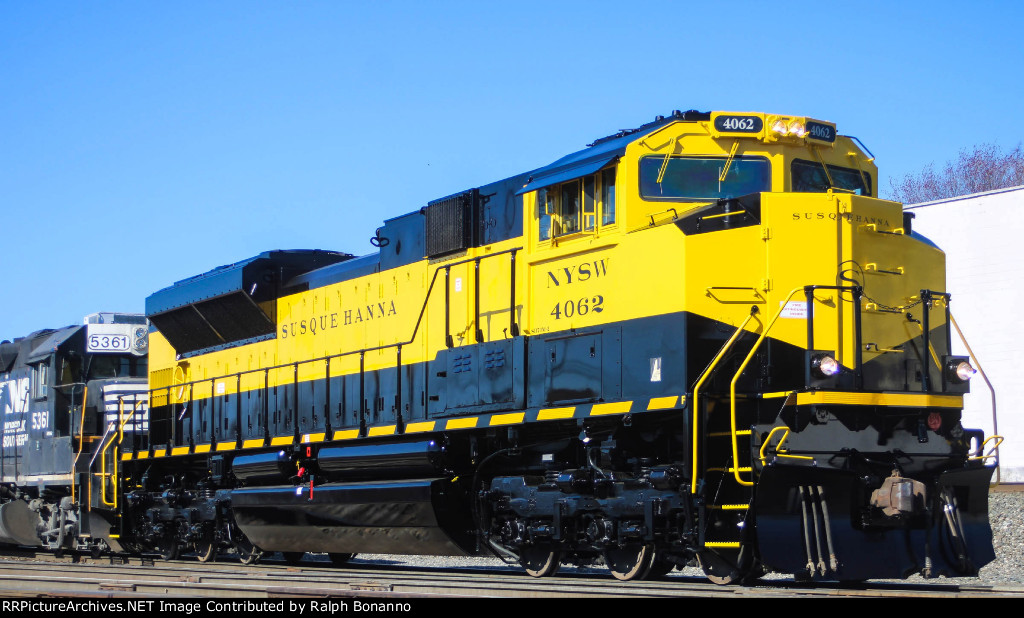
984 167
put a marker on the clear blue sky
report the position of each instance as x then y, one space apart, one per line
144 142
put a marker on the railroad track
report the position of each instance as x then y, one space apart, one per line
83 577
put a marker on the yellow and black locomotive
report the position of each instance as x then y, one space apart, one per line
704 340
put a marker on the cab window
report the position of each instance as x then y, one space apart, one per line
701 178
608 196
809 177
576 206
117 366
40 380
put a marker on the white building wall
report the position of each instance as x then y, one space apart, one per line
983 237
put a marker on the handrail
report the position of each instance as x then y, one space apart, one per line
412 338
113 476
992 453
318 359
101 453
81 441
931 350
778 447
703 377
991 389
857 292
739 372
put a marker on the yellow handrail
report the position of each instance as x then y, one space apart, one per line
103 462
704 376
778 447
736 378
931 349
122 420
992 453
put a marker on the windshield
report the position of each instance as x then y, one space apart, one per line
698 178
809 177
117 366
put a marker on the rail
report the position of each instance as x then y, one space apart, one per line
988 383
993 452
739 372
111 479
809 293
449 342
81 441
700 382
779 451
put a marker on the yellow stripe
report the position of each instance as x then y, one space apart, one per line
662 403
617 407
909 400
384 430
418 427
346 434
142 455
462 423
179 450
508 419
281 440
554 413
252 443
202 448
126 456
314 437
776 395
722 544
160 452
227 446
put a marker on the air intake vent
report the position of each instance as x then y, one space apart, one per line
450 223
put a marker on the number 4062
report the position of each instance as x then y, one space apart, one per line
582 306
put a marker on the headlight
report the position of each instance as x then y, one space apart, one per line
959 370
797 128
825 366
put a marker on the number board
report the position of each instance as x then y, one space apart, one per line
738 124
109 338
819 131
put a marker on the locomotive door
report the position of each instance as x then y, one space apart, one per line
14 402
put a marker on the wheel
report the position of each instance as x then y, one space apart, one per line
247 552
719 570
340 559
168 549
630 562
660 567
293 557
206 551
540 561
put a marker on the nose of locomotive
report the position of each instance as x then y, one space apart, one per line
835 524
